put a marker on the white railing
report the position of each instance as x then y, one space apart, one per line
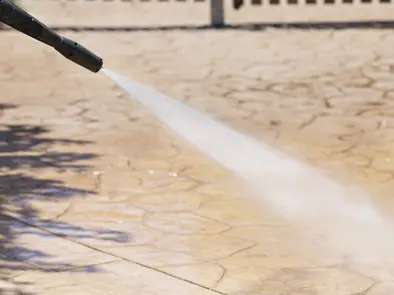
236 12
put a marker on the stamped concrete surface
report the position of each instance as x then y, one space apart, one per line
99 198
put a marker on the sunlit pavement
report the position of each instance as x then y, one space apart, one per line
99 198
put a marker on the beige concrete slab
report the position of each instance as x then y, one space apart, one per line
114 278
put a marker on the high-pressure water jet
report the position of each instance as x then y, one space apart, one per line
19 19
345 220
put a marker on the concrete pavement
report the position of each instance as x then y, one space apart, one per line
99 198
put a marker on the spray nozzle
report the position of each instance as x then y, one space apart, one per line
17 18
79 54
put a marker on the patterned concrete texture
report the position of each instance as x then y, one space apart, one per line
99 198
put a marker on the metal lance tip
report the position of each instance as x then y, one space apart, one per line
79 54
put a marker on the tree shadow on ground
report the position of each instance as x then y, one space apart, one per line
23 156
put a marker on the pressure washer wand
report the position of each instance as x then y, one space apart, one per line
17 18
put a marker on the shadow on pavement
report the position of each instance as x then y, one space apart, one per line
23 155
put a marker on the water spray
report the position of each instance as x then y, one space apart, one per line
344 219
17 18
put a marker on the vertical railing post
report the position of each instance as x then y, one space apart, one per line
217 13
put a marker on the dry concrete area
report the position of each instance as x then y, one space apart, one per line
97 197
